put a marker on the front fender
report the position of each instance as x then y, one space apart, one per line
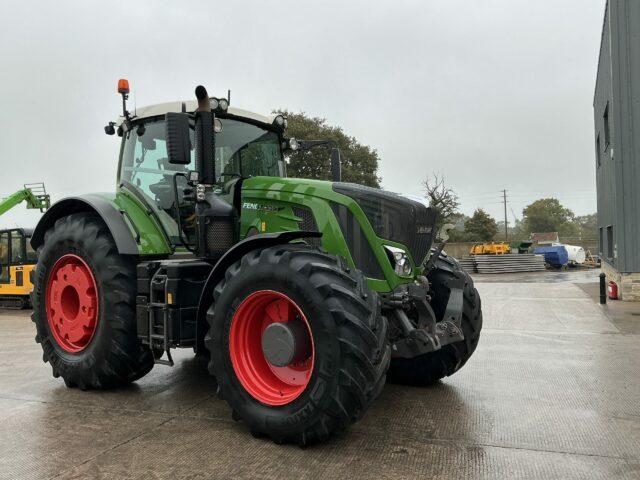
234 254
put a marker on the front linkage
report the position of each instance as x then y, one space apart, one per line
436 320
419 331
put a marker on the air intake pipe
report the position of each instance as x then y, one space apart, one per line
217 219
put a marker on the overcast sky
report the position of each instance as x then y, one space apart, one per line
491 94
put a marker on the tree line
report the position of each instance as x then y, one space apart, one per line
542 215
359 161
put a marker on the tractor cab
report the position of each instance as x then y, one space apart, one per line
246 145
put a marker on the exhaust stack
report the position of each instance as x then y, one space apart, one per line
204 137
204 104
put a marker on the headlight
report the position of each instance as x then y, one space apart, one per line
213 101
399 260
217 125
224 104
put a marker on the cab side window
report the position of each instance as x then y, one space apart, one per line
145 161
145 166
17 255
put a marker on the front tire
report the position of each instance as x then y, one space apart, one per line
84 306
431 367
343 368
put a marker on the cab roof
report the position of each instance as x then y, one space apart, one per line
190 106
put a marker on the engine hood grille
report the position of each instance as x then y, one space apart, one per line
394 217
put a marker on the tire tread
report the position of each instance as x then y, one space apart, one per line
364 350
125 360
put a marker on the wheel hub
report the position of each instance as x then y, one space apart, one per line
284 343
72 303
271 347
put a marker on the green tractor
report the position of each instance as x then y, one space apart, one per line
303 296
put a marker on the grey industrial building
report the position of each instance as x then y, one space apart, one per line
616 110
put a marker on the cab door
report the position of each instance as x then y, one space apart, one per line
17 259
5 277
145 170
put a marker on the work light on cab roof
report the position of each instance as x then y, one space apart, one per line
214 104
280 121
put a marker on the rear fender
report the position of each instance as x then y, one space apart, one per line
133 231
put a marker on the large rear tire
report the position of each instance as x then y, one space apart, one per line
84 306
344 366
431 367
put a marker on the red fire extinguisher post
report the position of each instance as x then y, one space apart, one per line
612 289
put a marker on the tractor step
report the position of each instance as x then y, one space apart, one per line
158 304
167 304
156 308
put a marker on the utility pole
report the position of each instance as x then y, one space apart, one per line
504 200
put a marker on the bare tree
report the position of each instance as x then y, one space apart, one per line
441 197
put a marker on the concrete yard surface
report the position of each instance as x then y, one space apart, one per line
551 392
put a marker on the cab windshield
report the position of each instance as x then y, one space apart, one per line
243 149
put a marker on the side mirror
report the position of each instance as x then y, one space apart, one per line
336 165
177 135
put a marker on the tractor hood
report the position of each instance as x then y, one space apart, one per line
395 217
401 219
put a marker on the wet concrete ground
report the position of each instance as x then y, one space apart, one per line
551 392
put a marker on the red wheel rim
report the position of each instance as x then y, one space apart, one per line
265 382
72 303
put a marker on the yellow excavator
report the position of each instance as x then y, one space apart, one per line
17 258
